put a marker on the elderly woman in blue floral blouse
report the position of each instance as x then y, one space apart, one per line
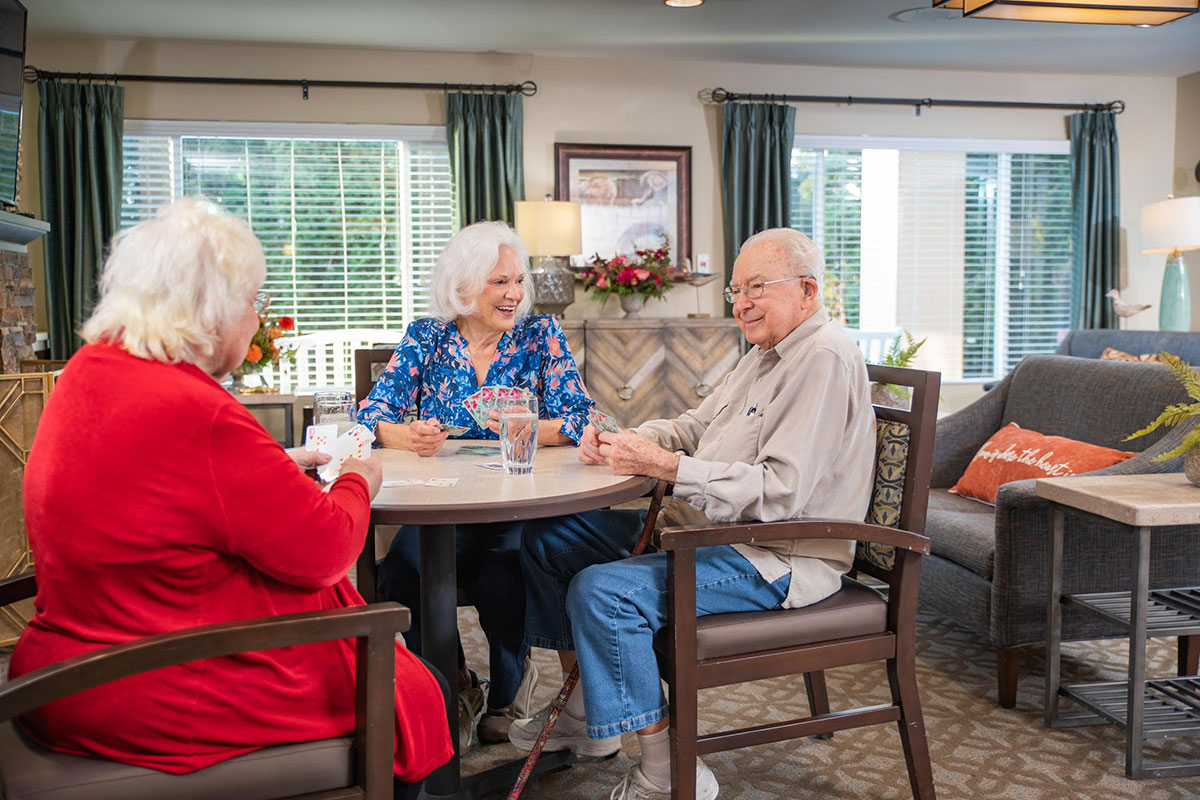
481 335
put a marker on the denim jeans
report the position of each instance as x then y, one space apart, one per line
489 568
584 593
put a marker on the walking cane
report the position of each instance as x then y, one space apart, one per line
564 693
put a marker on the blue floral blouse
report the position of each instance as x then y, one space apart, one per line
430 374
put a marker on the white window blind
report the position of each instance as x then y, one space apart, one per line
965 243
351 218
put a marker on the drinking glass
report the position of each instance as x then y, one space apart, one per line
335 407
518 433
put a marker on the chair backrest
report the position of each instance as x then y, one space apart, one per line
324 358
873 344
368 365
903 457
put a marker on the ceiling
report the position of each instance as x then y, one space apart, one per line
862 33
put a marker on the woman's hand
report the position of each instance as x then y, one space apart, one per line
589 446
426 437
493 421
630 454
370 468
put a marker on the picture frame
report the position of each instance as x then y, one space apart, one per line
628 195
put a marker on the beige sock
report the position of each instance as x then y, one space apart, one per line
656 757
575 702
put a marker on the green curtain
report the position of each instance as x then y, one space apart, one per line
756 172
485 133
79 144
1096 209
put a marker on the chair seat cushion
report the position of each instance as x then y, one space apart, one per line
962 531
31 772
856 610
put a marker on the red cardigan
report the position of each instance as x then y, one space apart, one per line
154 501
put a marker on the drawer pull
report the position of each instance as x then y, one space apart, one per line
702 389
625 392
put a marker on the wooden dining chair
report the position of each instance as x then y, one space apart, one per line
857 624
357 766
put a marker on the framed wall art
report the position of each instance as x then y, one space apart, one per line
629 196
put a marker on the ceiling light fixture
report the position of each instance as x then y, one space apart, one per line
683 3
1093 12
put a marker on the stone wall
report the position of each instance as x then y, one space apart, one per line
17 327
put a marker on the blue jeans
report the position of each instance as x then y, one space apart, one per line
489 568
585 593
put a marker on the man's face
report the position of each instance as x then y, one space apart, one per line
766 320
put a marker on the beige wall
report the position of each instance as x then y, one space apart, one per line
1187 136
632 102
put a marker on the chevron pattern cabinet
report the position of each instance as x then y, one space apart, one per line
652 368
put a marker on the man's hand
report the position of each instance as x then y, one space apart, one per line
426 437
630 454
306 460
589 446
370 468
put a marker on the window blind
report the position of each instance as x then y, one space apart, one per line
964 243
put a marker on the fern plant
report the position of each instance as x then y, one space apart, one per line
1176 413
897 356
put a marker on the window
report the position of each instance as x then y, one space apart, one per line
351 217
966 243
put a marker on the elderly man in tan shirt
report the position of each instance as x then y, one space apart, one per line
789 433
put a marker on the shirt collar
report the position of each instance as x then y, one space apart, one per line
790 344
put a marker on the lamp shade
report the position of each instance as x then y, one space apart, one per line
1171 225
1095 12
549 227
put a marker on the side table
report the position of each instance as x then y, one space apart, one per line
1145 709
273 400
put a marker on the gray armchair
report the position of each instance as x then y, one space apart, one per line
987 570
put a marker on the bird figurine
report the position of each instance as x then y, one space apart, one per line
1123 309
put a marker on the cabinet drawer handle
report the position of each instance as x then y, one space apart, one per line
702 389
625 392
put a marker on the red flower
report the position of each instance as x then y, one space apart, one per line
642 274
287 323
602 282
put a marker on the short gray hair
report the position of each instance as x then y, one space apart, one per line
804 257
463 267
172 282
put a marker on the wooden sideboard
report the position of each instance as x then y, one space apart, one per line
641 369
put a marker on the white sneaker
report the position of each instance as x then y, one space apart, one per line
570 733
635 786
522 704
470 706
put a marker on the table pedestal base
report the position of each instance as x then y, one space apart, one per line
473 787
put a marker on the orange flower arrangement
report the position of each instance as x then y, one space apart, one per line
264 350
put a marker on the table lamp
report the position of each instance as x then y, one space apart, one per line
550 229
1173 226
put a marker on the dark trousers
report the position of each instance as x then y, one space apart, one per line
410 791
489 569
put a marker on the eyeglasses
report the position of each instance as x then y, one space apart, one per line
261 301
755 289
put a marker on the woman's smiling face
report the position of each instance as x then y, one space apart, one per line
504 289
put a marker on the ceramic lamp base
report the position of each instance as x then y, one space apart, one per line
1175 304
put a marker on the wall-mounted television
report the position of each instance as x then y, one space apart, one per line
13 17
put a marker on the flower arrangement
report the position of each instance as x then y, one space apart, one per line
264 350
647 274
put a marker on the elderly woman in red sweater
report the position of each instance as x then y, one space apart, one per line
154 501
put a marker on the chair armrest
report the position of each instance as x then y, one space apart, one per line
58 680
961 434
18 587
684 538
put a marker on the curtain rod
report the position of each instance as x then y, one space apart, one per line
33 75
720 95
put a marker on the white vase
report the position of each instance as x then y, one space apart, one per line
631 304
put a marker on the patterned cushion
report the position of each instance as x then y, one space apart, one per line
891 449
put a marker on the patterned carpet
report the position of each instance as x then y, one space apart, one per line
979 750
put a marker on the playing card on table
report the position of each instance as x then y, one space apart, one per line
318 438
403 482
602 422
354 443
478 450
441 481
491 465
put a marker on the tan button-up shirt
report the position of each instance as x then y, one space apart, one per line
789 433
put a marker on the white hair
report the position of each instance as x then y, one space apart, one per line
171 283
803 255
464 265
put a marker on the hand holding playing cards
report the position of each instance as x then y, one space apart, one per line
308 459
630 454
370 468
589 446
426 436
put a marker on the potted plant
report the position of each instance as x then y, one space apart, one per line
264 349
897 355
1178 412
647 274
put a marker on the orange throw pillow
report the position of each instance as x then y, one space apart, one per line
1113 354
1014 453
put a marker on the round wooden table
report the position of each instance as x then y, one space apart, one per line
558 485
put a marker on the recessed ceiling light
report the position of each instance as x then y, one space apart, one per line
683 3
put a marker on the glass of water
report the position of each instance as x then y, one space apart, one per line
335 407
518 433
